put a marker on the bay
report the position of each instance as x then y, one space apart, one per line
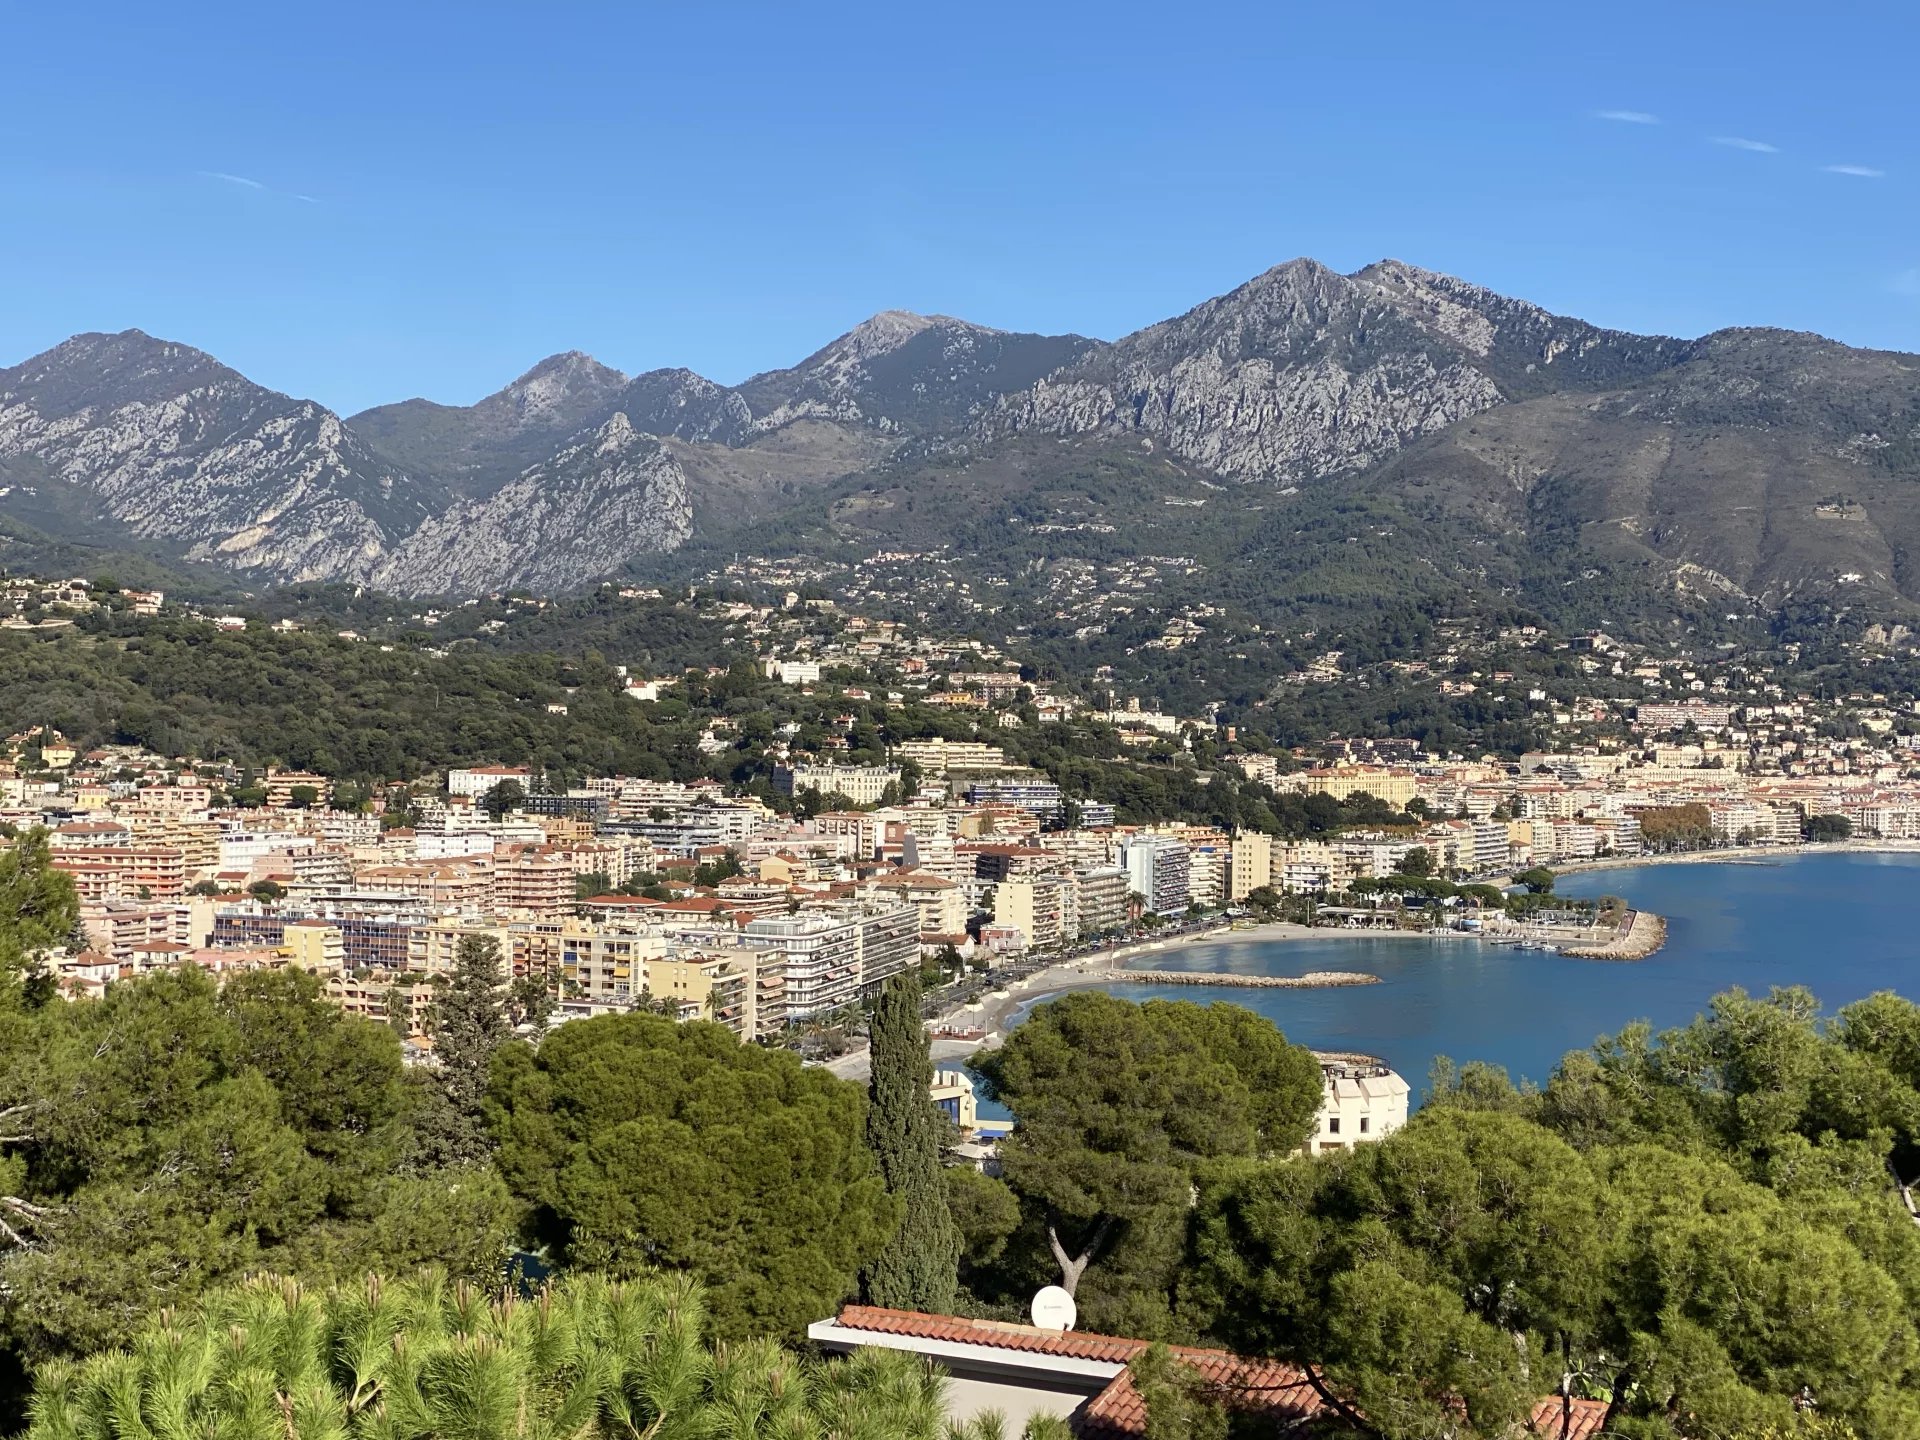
1843 924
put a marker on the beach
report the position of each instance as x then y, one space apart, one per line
1740 855
991 1013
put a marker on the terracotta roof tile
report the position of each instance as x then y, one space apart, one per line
1582 1424
1269 1388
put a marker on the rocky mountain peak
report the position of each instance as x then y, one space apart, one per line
1460 313
557 391
124 361
899 370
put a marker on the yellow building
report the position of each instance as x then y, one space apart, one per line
1044 908
702 985
315 945
1343 782
1250 865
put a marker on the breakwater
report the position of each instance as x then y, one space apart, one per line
1641 936
1316 980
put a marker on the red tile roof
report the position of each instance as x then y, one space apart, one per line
1275 1392
1269 1388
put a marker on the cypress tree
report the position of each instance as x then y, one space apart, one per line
469 1025
919 1268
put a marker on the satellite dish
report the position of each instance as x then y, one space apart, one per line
1053 1309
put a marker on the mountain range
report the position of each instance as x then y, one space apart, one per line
1497 448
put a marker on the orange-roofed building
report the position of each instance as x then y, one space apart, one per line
1022 1370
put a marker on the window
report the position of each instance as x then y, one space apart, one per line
1333 1125
1363 1124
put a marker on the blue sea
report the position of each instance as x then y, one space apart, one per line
1844 925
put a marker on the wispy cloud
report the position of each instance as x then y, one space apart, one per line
1864 172
1740 142
1627 117
248 183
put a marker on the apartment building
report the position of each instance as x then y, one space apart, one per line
1044 908
1100 898
1158 868
532 880
1038 797
434 948
937 756
831 957
1343 782
1250 864
316 945
464 884
940 904
862 784
1362 1103
123 872
702 985
280 785
606 962
475 781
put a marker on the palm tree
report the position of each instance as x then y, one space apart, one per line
423 1359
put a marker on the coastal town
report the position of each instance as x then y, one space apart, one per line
779 906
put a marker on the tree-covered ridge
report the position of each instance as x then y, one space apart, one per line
318 702
362 712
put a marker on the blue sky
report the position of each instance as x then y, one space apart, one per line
362 203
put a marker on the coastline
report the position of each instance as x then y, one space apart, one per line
1742 854
992 1013
1644 934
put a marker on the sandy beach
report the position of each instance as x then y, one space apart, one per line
991 1013
1742 855
1109 967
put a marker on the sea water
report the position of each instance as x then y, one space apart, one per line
1842 924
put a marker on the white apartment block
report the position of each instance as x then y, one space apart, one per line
477 780
937 756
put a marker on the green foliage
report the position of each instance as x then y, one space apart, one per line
918 1267
169 1136
38 909
644 1144
986 1212
1416 862
1698 1225
469 1026
1119 1106
352 711
1180 1404
1675 827
503 799
1828 827
423 1359
1539 880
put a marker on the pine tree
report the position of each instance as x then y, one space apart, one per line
469 1025
919 1268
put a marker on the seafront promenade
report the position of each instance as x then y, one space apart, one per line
1313 980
